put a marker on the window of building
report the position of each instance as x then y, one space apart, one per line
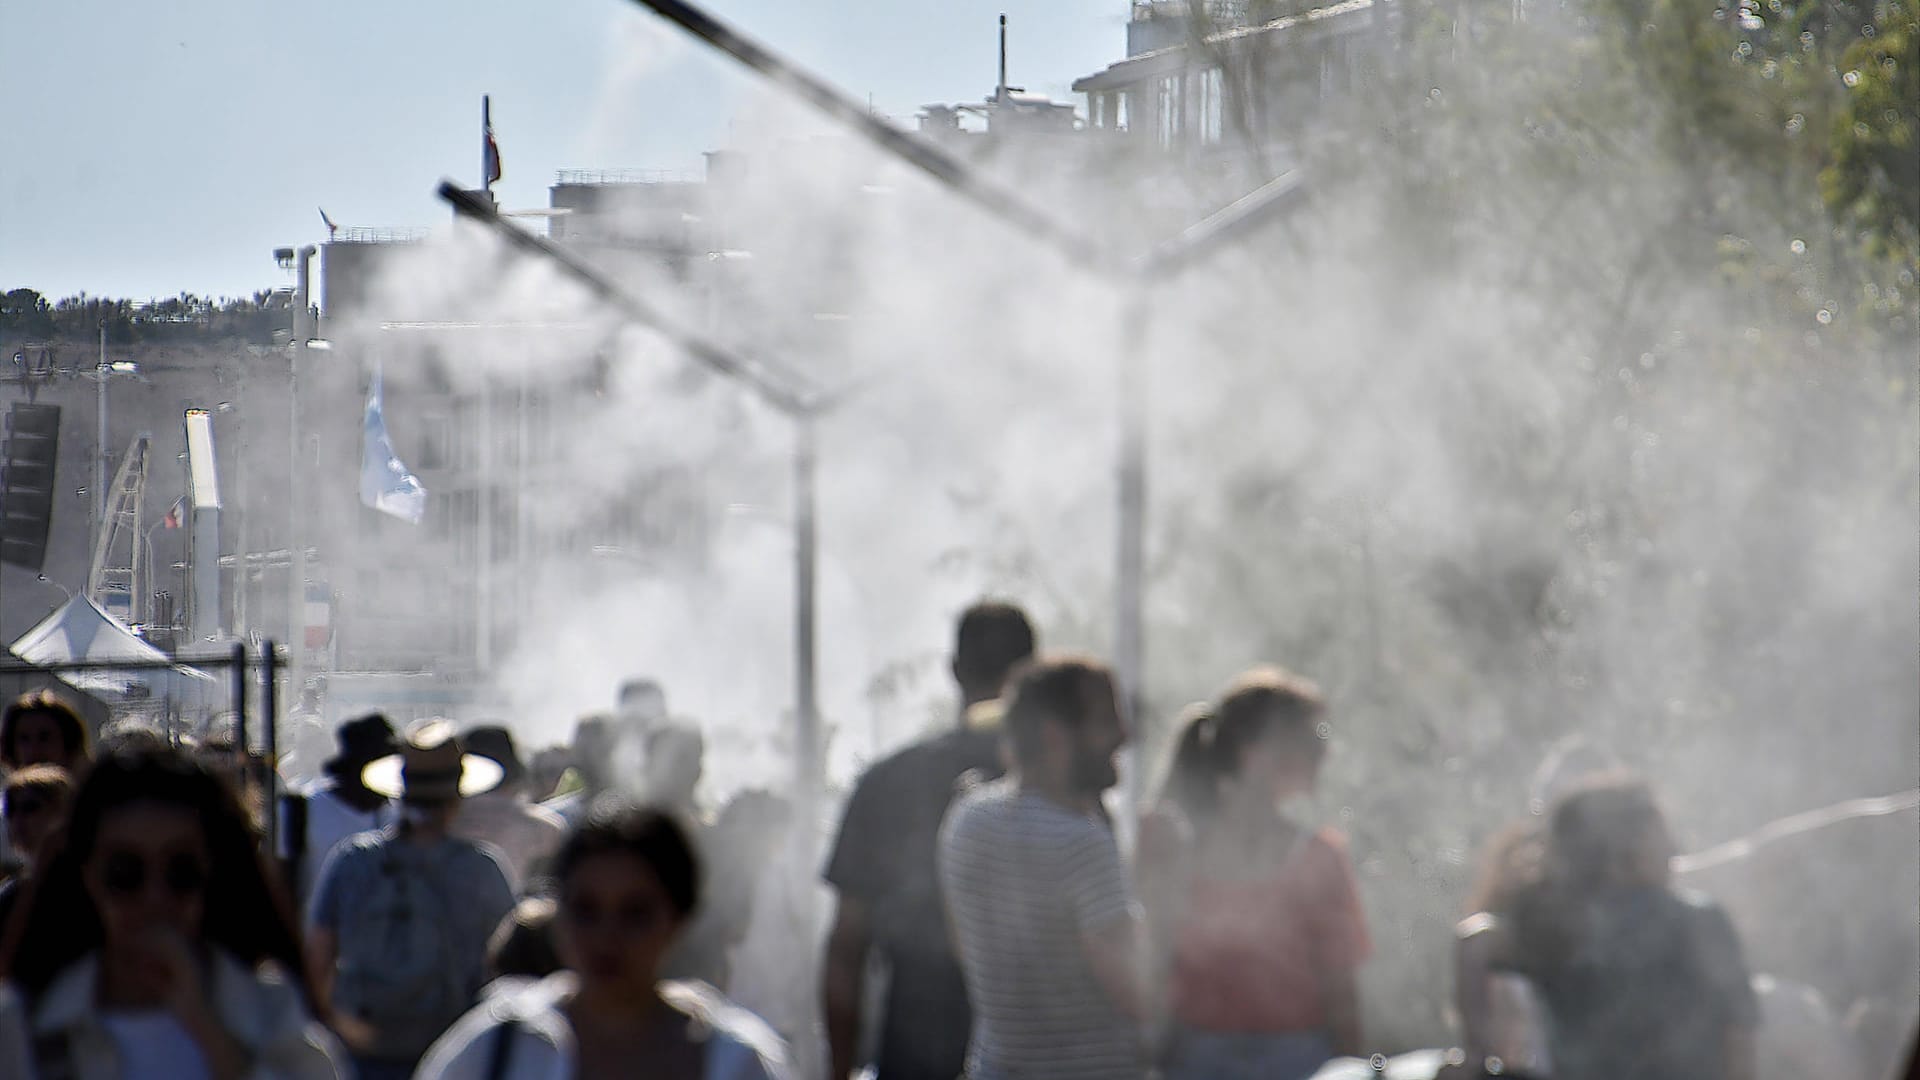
1169 108
1212 105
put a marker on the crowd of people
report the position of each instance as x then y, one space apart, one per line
438 907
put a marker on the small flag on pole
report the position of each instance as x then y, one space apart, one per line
385 483
172 520
489 150
331 227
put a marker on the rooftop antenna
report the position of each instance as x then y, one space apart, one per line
1000 91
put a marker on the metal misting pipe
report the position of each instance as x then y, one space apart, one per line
790 395
1232 222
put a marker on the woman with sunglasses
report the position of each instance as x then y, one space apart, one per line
155 945
627 882
33 805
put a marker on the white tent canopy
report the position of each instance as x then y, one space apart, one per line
81 630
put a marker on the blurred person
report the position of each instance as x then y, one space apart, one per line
543 775
522 947
315 821
627 882
737 847
1255 917
883 870
1042 913
641 706
595 745
525 835
41 728
771 964
1639 978
157 944
1800 1036
34 806
671 765
401 918
1500 1012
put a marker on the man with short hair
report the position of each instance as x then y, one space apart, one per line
883 868
401 918
1041 910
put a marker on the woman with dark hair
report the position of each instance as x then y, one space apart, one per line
627 881
155 944
1639 978
42 729
1500 1011
1255 918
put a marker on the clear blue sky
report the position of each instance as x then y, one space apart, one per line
151 147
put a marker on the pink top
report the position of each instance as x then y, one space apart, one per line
1249 953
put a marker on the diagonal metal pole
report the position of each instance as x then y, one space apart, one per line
803 404
784 391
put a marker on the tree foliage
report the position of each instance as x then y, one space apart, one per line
27 315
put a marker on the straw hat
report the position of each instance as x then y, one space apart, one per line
430 767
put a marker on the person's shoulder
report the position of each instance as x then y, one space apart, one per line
476 857
528 1012
756 1049
947 753
362 846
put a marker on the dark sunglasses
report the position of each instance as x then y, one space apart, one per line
125 874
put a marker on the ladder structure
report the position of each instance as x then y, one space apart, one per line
116 578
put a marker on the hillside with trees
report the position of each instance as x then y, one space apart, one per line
186 319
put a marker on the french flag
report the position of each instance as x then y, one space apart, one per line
489 150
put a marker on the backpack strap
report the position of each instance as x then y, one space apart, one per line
501 1057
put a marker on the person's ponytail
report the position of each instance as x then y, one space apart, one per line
1193 778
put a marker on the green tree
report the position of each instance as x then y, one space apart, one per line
1873 173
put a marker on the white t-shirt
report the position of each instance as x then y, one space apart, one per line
151 1045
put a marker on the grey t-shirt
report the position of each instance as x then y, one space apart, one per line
465 877
1024 878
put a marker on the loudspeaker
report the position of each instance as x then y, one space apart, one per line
26 483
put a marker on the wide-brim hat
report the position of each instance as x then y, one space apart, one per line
431 767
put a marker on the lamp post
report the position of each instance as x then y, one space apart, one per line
301 261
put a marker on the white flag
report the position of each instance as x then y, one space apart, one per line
385 483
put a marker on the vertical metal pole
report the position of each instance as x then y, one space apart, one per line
483 536
270 728
296 495
100 456
239 676
1130 554
806 708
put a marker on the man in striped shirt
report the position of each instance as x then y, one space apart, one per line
1040 909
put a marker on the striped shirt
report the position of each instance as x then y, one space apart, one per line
1024 878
